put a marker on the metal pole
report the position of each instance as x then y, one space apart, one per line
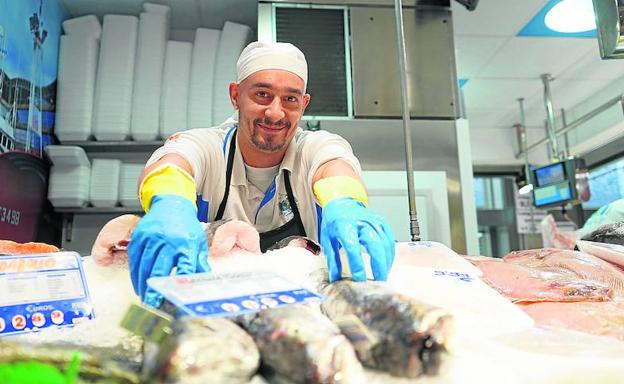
409 167
527 170
550 118
566 139
581 120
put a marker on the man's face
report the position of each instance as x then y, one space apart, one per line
270 104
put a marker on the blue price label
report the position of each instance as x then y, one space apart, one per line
40 291
207 294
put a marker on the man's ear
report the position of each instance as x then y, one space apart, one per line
306 100
234 95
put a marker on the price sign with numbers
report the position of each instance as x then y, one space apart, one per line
39 291
230 294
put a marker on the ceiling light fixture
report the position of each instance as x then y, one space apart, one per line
571 16
526 189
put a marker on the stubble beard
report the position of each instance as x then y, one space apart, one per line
268 143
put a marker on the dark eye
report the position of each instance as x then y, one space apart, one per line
262 94
291 99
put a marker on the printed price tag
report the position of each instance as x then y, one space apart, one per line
459 276
42 290
210 295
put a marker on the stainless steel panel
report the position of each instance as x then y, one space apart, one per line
379 146
386 3
430 63
610 33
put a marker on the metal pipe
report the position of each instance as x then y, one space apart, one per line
566 139
550 117
409 167
581 120
527 170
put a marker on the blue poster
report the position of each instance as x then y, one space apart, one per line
30 33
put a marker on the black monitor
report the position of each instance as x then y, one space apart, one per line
554 184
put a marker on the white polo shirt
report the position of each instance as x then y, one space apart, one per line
206 150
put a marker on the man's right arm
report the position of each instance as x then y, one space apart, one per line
169 235
171 158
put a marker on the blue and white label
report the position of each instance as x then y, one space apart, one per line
39 291
211 295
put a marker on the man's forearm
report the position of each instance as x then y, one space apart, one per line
171 158
335 167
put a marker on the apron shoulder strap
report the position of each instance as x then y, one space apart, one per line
228 176
293 202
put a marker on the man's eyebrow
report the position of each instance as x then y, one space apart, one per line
294 90
261 85
269 86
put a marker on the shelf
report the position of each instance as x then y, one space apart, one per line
98 210
69 213
116 146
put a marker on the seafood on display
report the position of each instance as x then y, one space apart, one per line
298 343
390 332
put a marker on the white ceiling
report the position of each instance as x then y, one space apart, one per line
502 67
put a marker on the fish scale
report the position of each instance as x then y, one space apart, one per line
403 336
300 344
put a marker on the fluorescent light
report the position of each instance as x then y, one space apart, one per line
571 16
526 189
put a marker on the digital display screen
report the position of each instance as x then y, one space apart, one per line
552 194
550 174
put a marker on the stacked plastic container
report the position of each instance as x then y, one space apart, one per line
128 179
150 56
78 59
69 176
175 89
115 75
104 182
84 25
234 37
202 77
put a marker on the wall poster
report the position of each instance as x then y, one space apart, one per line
30 32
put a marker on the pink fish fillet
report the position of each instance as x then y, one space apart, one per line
522 284
110 246
224 237
583 265
604 319
231 236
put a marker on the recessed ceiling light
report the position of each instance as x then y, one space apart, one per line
571 16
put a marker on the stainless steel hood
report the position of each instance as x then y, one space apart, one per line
609 17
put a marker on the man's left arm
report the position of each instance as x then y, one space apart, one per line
348 223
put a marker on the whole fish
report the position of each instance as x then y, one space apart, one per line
390 332
300 344
612 233
205 350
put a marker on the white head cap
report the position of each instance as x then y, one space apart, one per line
258 56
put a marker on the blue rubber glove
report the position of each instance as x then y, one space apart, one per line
168 236
347 223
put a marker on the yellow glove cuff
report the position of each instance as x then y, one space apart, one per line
168 179
334 187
